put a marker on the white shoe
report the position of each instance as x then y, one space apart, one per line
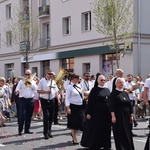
1 145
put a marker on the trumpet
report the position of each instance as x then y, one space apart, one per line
28 82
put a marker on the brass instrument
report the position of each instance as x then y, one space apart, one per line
135 86
28 82
58 80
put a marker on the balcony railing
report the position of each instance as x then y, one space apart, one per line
44 42
24 45
44 11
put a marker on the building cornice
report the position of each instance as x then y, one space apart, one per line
72 45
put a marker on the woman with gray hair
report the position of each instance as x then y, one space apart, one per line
97 132
122 116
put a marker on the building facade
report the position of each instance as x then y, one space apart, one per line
66 37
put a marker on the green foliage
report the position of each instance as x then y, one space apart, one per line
114 19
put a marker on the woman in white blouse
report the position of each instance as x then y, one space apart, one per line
75 110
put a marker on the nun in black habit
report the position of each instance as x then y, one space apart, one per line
97 131
121 112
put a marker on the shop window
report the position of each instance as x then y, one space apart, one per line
109 64
68 64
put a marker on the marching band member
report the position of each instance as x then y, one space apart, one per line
48 91
26 89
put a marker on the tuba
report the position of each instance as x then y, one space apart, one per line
58 80
28 83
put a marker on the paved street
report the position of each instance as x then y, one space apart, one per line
61 139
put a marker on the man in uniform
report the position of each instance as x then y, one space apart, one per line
48 91
26 89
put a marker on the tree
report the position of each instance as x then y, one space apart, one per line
114 19
24 31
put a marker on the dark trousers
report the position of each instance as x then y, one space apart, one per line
26 107
48 109
17 107
55 111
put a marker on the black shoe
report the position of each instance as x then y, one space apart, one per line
28 132
75 143
46 136
50 135
19 133
136 124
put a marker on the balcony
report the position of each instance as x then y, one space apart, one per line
44 11
44 42
24 45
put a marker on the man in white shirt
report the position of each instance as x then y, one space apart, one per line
134 95
86 85
48 91
147 103
26 102
119 73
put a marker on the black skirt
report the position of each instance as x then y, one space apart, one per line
76 118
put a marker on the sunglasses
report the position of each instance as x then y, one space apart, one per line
49 73
27 74
103 80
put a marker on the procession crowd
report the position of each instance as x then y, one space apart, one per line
93 104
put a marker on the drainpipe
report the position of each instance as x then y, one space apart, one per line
139 37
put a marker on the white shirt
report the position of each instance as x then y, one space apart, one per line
24 91
66 83
44 84
147 85
132 95
86 86
73 96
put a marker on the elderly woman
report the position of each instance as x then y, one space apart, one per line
75 110
122 116
97 132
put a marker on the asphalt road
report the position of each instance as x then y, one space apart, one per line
61 137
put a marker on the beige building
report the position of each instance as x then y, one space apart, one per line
66 38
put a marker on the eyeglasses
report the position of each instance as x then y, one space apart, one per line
103 80
27 74
49 73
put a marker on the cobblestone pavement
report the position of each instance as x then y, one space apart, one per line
61 137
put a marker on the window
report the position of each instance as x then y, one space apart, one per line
109 64
86 21
9 70
66 25
8 11
9 38
45 40
68 64
46 65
